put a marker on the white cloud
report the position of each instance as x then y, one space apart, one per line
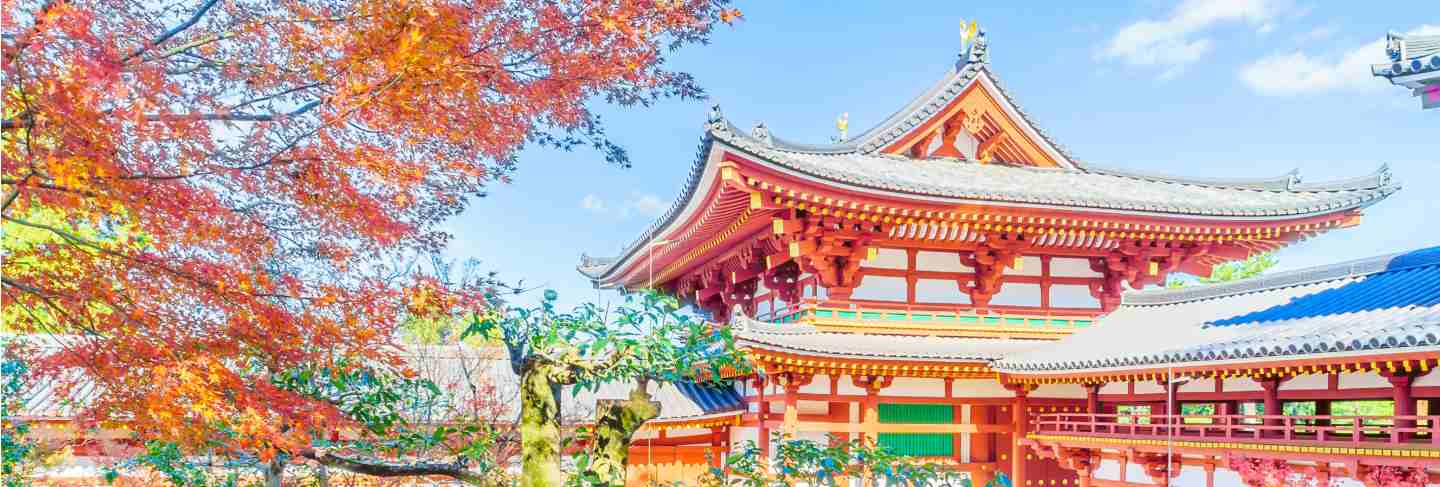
639 204
1298 72
648 205
1176 41
593 203
1317 34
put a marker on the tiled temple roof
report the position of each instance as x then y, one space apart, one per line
859 164
1387 304
804 339
1412 54
1067 188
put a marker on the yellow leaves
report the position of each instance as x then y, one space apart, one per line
730 15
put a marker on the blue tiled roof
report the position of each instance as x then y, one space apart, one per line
1411 279
712 397
1382 305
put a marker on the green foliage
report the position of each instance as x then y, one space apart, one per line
17 450
646 338
1231 271
376 398
804 462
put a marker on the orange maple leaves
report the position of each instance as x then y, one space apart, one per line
229 183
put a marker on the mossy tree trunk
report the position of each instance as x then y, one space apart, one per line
540 438
615 424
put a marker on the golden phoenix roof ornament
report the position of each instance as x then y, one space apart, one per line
967 35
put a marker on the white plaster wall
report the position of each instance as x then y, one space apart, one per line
741 434
1070 267
819 385
1430 379
763 309
888 259
915 387
939 291
813 407
1017 294
1241 384
1306 382
1029 266
881 288
1148 387
1198 385
1115 388
940 262
1362 380
1060 391
979 388
847 387
1072 296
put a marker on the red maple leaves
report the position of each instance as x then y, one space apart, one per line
201 195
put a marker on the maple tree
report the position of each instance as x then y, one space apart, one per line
646 340
212 191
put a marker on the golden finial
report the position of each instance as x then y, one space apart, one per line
967 34
843 123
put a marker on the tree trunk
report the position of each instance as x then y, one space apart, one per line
274 472
539 428
615 423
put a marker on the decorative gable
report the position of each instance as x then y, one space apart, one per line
978 125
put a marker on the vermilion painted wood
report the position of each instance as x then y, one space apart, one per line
1319 430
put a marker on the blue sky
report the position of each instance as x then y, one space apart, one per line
1240 88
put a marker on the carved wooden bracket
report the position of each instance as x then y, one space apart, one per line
834 255
1138 264
785 281
872 383
793 381
990 260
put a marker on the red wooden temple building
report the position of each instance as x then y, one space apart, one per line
955 285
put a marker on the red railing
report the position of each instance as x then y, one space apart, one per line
1319 429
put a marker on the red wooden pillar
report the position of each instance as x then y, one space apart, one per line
1271 386
763 415
717 446
1092 398
1404 404
1020 417
1322 408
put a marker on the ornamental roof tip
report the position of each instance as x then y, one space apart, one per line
1409 54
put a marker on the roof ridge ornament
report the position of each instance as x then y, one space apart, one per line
967 39
843 124
761 133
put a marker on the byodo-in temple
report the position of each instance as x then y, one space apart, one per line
957 286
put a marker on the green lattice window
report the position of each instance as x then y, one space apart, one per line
918 444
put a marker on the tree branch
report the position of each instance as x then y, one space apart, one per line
456 470
234 117
165 36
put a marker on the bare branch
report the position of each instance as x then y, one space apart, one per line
456 470
165 36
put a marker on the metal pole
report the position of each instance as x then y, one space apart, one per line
1170 422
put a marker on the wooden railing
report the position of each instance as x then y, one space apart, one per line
1318 429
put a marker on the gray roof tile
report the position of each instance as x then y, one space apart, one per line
806 339
1385 303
